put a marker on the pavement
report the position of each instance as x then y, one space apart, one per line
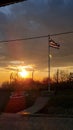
39 104
19 122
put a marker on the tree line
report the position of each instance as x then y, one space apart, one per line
60 81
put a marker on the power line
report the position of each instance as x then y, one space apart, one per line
22 39
43 36
63 33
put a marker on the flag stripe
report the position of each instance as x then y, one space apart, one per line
54 47
54 44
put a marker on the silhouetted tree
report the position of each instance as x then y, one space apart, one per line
61 76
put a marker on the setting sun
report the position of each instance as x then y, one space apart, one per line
23 74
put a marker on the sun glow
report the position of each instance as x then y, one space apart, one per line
23 73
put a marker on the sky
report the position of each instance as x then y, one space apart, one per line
35 18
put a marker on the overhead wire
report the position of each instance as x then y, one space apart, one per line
37 37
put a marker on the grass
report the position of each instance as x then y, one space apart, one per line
4 97
60 103
29 99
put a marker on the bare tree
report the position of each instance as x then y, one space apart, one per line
61 76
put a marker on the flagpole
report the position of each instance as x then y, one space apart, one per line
53 44
48 64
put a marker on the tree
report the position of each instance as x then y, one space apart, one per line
61 76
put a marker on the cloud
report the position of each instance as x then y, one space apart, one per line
34 18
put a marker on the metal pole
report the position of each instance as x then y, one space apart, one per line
48 64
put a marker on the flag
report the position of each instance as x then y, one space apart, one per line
53 44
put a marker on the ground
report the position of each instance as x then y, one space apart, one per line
20 122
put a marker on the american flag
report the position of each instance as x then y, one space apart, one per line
53 44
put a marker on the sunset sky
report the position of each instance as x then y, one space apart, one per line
34 18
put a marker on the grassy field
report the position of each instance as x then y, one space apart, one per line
59 103
4 97
16 104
